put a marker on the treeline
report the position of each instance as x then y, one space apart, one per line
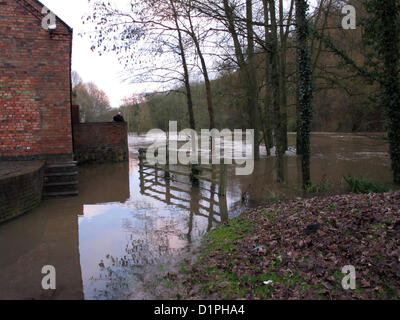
160 108
93 102
342 99
279 65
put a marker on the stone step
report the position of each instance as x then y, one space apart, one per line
60 188
62 164
60 168
58 184
60 177
60 194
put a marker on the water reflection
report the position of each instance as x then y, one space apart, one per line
49 236
124 244
198 200
123 228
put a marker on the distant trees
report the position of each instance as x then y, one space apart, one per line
380 64
75 79
149 39
258 64
94 103
174 30
136 113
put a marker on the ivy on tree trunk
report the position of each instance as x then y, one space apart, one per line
305 88
387 36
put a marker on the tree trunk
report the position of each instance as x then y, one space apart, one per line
305 89
282 79
207 81
299 150
267 125
248 80
252 77
186 77
388 14
275 83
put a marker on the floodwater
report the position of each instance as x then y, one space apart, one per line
122 231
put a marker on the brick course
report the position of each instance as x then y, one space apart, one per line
21 192
35 85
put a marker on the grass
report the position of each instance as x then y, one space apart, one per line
224 236
332 207
271 216
229 284
314 187
363 185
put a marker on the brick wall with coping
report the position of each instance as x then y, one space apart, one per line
101 142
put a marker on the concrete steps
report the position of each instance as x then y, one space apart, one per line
60 180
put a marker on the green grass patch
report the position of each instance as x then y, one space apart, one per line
364 185
390 220
225 283
332 207
224 237
271 216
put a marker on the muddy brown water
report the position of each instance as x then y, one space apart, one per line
118 233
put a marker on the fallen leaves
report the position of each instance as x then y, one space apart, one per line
223 284
305 246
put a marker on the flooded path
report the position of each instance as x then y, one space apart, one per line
107 242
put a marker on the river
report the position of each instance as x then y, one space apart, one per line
117 234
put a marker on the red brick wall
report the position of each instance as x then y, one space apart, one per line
101 142
35 116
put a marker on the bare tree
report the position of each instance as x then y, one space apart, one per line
150 26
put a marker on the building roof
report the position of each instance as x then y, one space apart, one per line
35 8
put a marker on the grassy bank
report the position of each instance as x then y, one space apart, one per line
296 250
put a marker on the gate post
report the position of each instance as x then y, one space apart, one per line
166 173
141 162
222 180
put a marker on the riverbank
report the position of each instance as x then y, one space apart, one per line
297 249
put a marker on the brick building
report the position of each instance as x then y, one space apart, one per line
36 116
35 84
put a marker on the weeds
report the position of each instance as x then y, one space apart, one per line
313 187
363 185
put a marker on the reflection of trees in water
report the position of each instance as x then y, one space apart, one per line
145 250
154 240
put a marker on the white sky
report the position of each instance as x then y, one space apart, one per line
105 71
